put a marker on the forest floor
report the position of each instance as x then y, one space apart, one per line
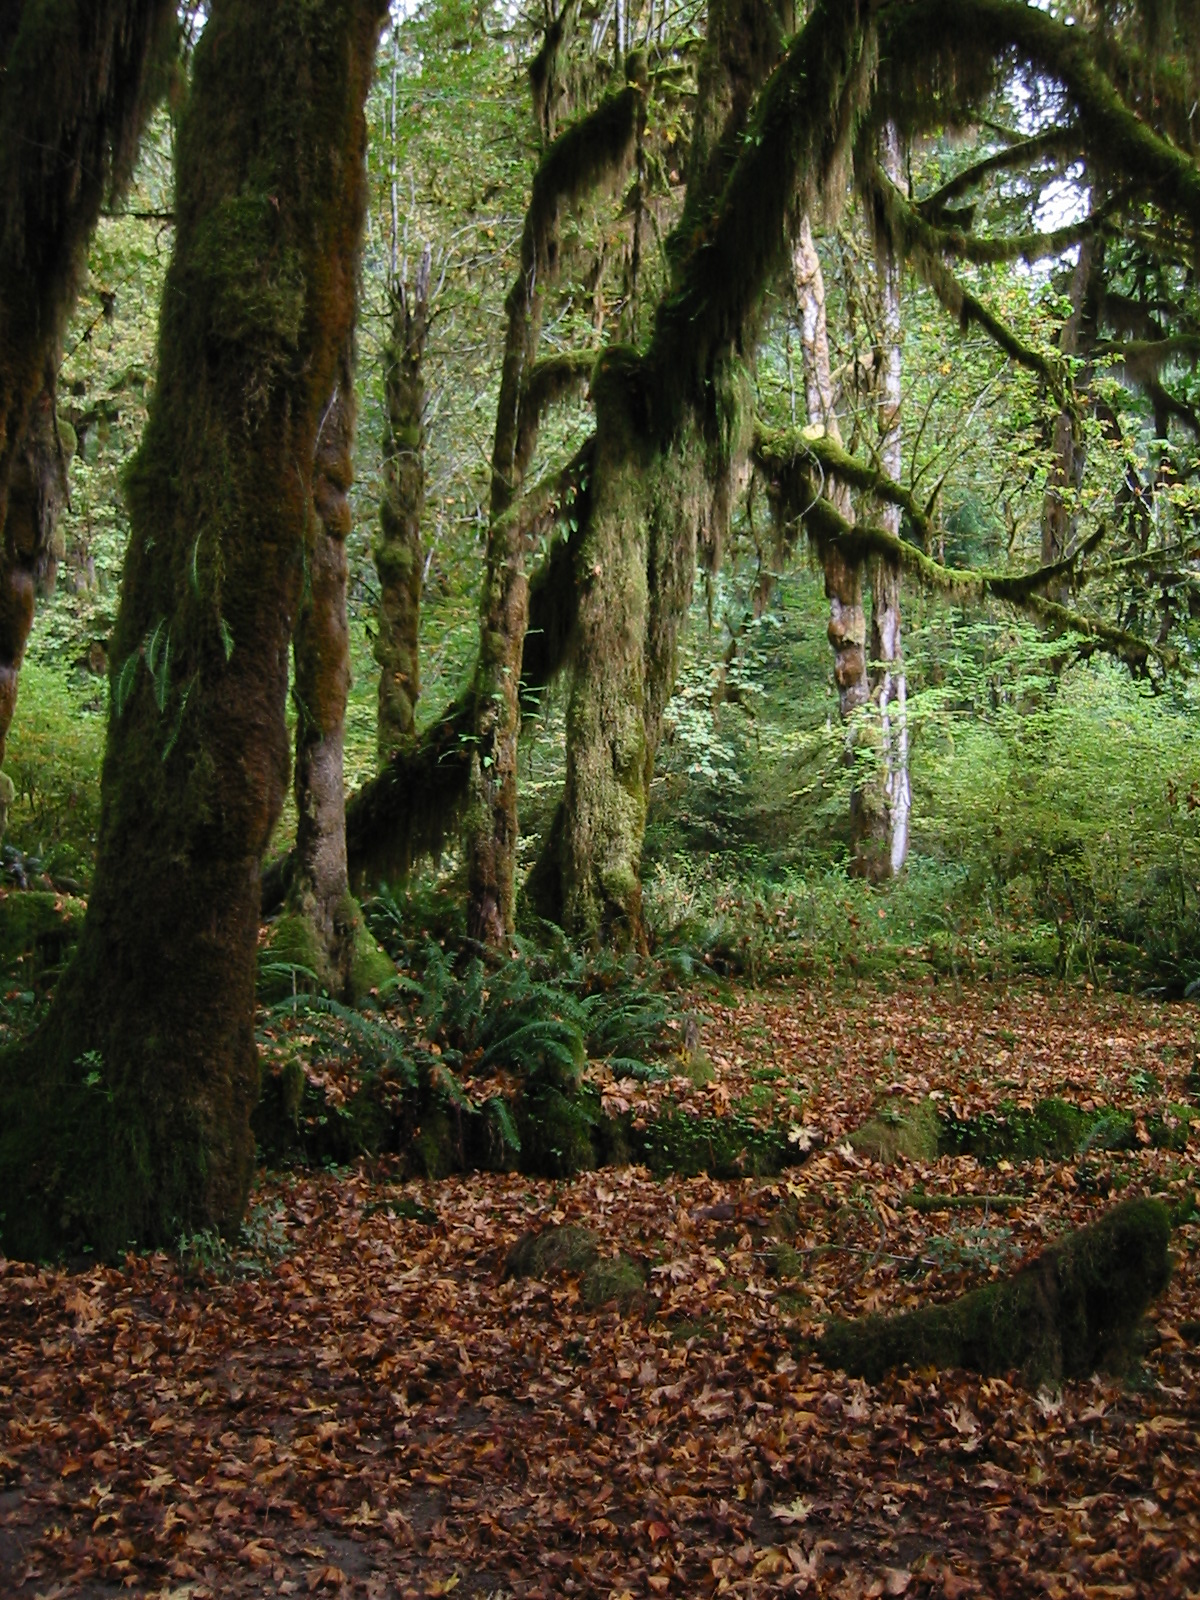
360 1403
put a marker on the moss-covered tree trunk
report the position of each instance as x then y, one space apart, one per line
1069 448
322 927
669 439
398 552
76 79
593 150
127 1117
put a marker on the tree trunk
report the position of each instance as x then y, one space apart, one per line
127 1117
399 558
843 577
594 150
882 845
1069 448
322 927
75 84
668 446
37 493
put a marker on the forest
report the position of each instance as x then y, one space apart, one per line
599 798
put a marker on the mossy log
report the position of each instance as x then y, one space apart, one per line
127 1118
1073 1309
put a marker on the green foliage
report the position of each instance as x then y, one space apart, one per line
53 759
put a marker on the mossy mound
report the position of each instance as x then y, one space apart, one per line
1052 1128
723 1147
1074 1309
38 929
911 1132
372 970
613 1279
292 960
545 1252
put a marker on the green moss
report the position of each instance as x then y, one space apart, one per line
556 1134
611 1279
1073 1309
547 1252
293 956
913 1133
724 1147
787 1263
1053 1128
38 928
435 1148
371 969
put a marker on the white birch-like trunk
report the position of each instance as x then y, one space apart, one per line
889 687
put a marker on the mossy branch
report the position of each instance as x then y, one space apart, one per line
546 384
789 460
1068 54
922 244
1016 157
1073 1309
414 804
802 127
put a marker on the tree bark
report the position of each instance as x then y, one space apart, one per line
322 927
76 81
669 435
843 576
882 845
399 557
127 1117
1069 447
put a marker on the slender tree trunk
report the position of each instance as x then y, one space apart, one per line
127 1117
843 578
594 150
1069 448
76 81
322 927
883 845
399 557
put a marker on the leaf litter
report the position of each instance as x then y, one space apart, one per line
358 1401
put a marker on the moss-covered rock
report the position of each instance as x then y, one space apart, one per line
612 1278
911 1132
546 1252
1073 1309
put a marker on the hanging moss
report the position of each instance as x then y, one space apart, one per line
593 151
1074 1308
791 460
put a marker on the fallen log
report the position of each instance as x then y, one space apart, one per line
1073 1309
